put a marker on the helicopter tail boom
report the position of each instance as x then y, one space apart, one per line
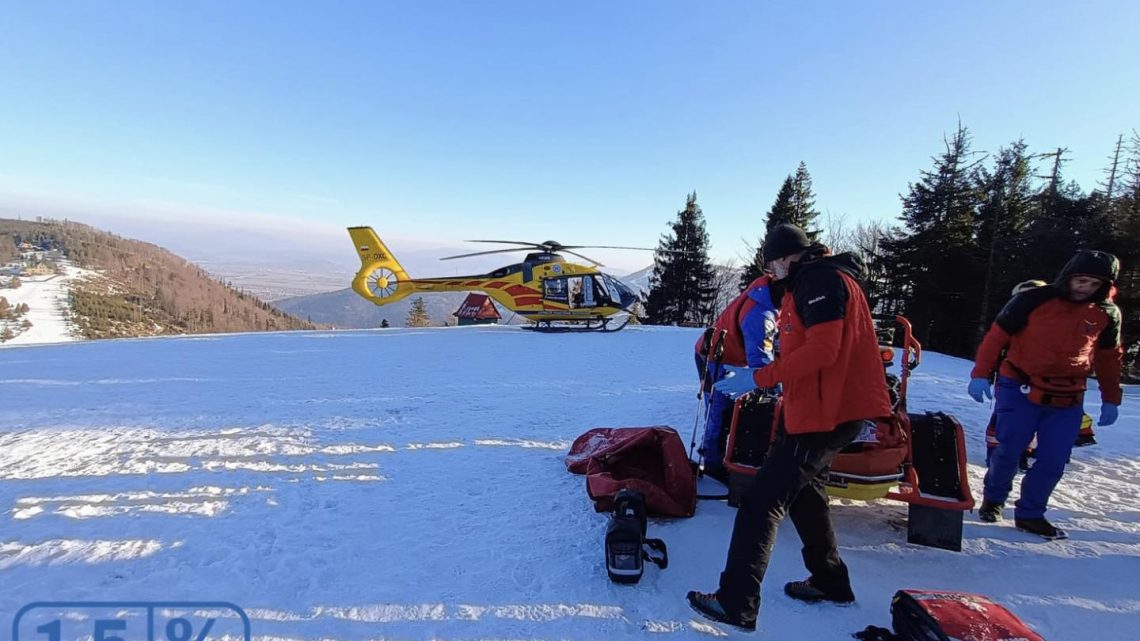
381 279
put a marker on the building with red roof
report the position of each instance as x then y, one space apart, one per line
477 309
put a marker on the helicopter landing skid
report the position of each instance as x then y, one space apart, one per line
590 325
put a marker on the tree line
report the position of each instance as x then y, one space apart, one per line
970 227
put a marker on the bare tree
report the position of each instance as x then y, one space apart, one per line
837 235
725 285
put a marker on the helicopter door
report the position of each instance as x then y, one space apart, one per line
588 299
573 291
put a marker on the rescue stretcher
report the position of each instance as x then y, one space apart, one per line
919 459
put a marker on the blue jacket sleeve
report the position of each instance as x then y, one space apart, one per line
758 326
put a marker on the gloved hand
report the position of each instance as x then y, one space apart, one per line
1108 414
979 387
737 381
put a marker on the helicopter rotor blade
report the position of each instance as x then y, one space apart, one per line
563 249
508 242
493 251
648 249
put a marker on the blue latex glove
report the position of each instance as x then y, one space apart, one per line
979 387
1108 414
736 381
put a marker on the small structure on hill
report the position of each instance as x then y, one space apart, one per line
477 309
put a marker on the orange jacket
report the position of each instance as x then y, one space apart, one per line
829 361
1055 342
1050 337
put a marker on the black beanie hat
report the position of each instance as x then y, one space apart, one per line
784 240
1092 263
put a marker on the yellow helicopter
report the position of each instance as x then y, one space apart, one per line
556 295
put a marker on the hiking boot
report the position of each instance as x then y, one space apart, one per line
990 512
1084 440
1041 528
710 608
807 591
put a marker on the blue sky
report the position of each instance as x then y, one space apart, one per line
584 122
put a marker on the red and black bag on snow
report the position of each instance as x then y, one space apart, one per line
931 615
650 460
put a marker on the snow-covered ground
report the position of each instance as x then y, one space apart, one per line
410 484
46 297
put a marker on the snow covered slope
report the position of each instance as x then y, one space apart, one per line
409 484
46 297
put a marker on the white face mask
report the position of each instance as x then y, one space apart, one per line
779 268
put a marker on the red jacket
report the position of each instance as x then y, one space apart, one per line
740 327
1048 336
829 361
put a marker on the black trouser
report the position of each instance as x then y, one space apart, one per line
790 481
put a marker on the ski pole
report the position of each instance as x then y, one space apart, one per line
705 341
707 387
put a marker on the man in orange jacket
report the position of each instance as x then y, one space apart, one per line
1053 337
832 373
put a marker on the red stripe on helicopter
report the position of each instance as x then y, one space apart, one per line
519 290
473 283
497 284
528 300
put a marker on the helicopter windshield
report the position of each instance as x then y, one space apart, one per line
617 291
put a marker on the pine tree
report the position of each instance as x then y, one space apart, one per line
417 315
780 212
1001 221
935 265
636 312
803 203
783 210
680 289
795 205
1126 245
1063 220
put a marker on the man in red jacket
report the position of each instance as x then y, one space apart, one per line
832 373
1054 337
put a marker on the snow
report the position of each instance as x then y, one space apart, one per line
410 484
46 297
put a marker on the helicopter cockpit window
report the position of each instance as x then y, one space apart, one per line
581 291
618 291
603 294
555 289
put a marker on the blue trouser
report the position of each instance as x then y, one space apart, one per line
718 409
716 429
1018 419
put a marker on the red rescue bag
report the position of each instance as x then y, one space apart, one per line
650 460
932 615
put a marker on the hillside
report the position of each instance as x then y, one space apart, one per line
141 289
345 309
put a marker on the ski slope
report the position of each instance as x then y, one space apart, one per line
409 484
46 297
